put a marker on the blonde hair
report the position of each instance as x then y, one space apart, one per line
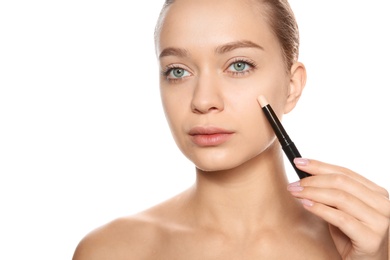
280 17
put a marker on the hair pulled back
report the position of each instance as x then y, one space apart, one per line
280 17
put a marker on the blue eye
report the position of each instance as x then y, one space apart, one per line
240 66
176 73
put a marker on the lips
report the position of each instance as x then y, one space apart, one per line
209 136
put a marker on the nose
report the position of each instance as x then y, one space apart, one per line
207 96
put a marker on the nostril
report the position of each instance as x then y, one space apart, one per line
213 108
207 98
204 109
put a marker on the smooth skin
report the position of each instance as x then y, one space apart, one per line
214 65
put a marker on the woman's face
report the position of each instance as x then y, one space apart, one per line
216 57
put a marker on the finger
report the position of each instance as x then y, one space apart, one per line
355 188
347 204
361 235
315 167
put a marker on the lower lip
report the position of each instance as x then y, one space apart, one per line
211 140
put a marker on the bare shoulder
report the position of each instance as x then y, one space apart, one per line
140 236
134 237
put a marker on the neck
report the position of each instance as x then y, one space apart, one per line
249 196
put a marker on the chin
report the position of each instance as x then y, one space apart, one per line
221 163
224 158
213 168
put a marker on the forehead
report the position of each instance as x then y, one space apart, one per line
213 22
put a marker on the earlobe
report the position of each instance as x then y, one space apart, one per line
297 84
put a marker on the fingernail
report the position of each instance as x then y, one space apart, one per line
297 183
301 161
295 186
307 202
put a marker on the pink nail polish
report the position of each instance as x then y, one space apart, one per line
295 188
301 161
297 183
307 202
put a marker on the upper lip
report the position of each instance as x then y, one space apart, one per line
208 130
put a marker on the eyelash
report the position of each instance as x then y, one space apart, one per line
250 63
168 70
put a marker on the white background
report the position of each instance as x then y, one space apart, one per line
83 138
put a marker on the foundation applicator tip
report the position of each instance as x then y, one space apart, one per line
262 101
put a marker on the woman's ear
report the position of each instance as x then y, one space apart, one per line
297 83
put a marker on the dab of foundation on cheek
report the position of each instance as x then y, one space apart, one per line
288 146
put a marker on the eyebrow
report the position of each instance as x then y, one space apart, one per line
171 51
235 45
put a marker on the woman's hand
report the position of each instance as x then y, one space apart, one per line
357 210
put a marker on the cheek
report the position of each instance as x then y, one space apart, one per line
250 116
276 93
256 127
249 119
175 113
171 110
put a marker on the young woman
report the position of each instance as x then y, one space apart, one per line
216 58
